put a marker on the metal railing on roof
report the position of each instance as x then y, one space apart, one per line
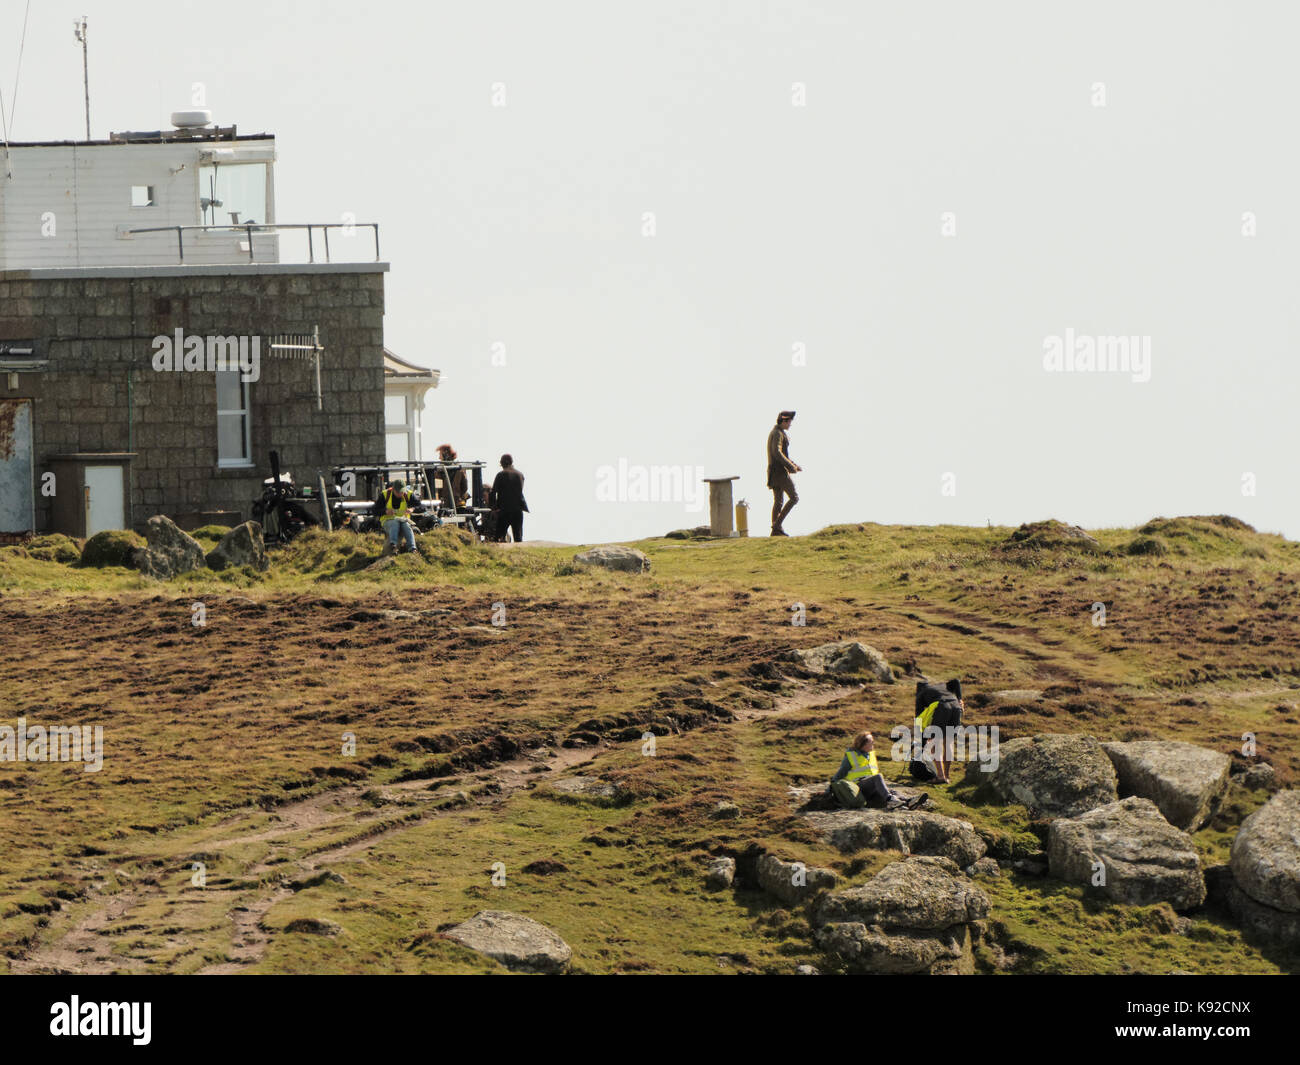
251 228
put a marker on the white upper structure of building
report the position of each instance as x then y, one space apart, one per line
197 195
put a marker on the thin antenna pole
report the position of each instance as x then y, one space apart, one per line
85 65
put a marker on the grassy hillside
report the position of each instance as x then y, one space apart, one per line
225 743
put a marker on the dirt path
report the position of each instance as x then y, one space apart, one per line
87 945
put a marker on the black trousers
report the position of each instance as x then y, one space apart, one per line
514 521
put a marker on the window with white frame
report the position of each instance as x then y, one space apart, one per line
234 431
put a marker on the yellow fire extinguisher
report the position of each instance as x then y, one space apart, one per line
742 518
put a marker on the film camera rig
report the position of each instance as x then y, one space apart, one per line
446 493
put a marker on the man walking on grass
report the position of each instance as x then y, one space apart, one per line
779 469
508 499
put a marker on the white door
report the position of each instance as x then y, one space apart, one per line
17 508
104 502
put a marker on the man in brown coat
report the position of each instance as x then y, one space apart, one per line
779 468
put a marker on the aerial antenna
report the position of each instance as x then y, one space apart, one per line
13 103
80 25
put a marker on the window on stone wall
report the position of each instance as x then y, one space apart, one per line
234 435
396 447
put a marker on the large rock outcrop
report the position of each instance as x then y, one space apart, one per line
846 656
242 546
1187 782
1055 775
916 915
516 941
1139 857
168 551
909 831
1265 863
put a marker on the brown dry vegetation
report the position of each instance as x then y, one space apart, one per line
225 743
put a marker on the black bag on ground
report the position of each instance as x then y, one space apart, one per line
920 770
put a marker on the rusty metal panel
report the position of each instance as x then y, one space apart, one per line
17 510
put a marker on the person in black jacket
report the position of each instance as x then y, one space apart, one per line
508 500
938 713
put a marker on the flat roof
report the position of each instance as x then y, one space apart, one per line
55 273
161 136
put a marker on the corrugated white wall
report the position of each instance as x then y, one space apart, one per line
83 194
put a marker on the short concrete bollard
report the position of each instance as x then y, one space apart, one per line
720 505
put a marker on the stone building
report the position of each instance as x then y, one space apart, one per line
100 426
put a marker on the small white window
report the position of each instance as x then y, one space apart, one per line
142 196
234 443
397 447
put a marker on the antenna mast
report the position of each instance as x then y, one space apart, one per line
80 24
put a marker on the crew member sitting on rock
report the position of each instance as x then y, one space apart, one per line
858 782
393 507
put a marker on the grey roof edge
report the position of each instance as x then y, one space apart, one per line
413 369
56 273
211 138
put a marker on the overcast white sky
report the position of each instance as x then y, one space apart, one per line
779 225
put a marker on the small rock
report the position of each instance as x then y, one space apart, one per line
586 789
612 557
516 941
725 811
1027 867
169 552
242 546
984 867
792 882
721 874
806 970
847 656
1261 776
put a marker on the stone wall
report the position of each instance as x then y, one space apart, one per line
96 328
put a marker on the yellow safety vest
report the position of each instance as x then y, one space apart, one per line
860 765
399 511
926 716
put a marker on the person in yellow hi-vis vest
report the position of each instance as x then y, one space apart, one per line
393 508
858 781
